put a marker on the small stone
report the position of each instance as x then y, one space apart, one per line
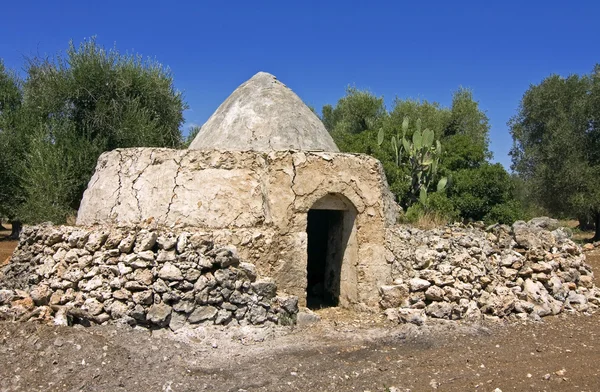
164 256
143 297
434 293
226 256
417 284
160 286
170 272
248 269
159 314
183 306
138 313
392 296
166 242
257 314
133 285
265 288
586 281
126 244
93 283
6 297
143 276
177 321
182 242
122 294
202 313
96 240
123 269
578 299
289 304
192 275
439 310
146 255
117 309
145 240
223 317
40 295
93 306
413 316
588 247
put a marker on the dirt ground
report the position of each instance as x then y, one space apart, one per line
6 246
344 352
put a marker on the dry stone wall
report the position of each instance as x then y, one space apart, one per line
526 271
155 278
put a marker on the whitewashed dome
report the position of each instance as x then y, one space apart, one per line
263 114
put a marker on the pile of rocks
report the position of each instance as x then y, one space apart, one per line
461 272
152 278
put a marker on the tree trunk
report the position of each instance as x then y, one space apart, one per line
16 229
597 222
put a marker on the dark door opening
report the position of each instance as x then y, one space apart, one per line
325 255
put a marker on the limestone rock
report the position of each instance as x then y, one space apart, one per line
177 321
40 295
417 284
392 296
145 240
223 317
413 316
170 272
202 313
159 314
434 293
249 270
265 288
93 306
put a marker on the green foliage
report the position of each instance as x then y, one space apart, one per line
414 213
73 108
12 147
506 213
556 136
50 175
468 120
437 210
412 156
475 192
358 111
460 152
423 158
193 132
439 203
432 116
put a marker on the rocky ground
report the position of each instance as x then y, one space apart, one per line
344 351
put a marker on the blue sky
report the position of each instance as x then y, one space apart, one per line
421 49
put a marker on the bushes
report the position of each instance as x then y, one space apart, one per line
476 192
438 210
69 110
476 189
506 213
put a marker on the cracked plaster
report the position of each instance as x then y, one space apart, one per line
236 195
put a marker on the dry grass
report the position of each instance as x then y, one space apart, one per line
430 220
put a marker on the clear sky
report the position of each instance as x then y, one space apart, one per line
421 49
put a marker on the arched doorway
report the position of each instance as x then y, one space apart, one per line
332 253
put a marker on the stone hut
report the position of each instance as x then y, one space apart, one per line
264 175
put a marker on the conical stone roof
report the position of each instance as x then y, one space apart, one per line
263 114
